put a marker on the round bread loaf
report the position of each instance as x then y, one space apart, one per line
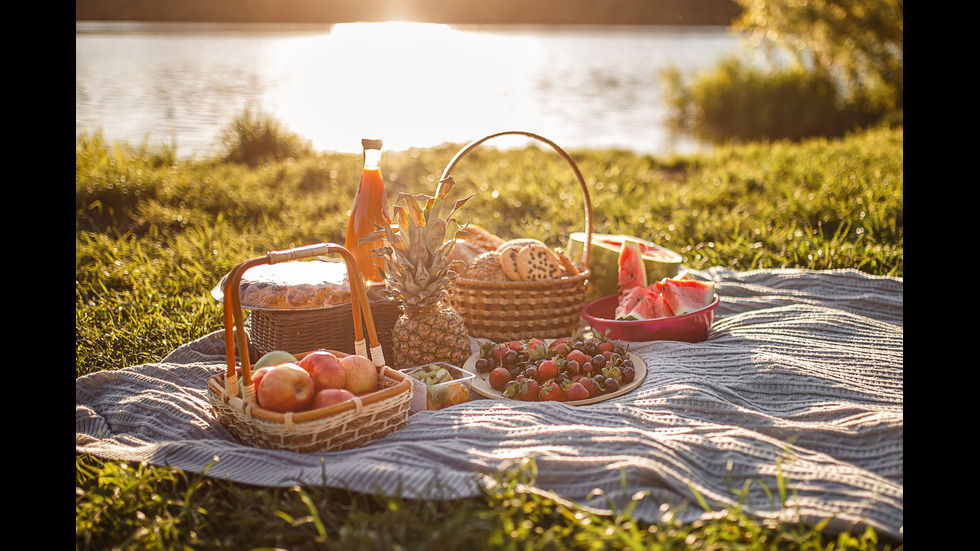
486 267
508 255
567 263
464 252
536 262
480 236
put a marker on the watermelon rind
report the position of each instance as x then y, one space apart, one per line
604 261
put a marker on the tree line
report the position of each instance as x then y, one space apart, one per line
566 12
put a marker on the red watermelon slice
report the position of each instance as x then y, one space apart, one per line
643 303
686 295
644 309
631 270
629 300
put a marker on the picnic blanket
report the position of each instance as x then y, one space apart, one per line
800 383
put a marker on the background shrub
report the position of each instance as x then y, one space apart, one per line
827 68
253 138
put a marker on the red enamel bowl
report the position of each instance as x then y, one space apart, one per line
690 327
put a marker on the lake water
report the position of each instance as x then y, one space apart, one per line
413 85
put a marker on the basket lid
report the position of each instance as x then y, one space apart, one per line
297 284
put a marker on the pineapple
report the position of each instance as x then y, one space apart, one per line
419 273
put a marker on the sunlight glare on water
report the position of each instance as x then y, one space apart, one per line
411 84
404 82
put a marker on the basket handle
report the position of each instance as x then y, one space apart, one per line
234 324
587 253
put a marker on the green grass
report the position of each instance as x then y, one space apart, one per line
153 233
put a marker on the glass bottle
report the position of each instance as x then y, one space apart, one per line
370 208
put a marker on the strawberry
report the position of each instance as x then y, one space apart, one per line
605 346
578 356
561 346
547 369
499 378
589 386
552 391
576 391
516 346
528 390
537 349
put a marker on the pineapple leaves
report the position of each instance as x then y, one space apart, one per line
459 204
416 255
444 187
415 212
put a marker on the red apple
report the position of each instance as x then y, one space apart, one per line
330 396
361 374
285 387
325 369
258 374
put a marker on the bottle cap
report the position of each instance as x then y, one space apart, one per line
371 144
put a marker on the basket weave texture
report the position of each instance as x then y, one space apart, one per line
506 310
302 330
350 424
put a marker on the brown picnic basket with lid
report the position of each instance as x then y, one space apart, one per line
346 425
506 310
298 330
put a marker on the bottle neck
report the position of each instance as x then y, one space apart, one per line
372 159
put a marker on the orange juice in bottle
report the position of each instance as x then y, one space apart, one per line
370 208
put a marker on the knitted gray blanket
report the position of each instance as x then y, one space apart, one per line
800 384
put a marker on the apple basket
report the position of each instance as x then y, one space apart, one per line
346 425
505 310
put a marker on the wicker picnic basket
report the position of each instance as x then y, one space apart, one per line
302 330
347 425
505 310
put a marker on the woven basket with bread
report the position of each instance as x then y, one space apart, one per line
519 288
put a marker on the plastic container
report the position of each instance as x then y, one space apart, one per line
691 327
438 395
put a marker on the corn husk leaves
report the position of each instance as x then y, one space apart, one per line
417 266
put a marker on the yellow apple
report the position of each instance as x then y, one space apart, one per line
361 374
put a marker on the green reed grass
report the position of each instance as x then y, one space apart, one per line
154 233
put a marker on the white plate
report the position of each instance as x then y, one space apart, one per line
482 387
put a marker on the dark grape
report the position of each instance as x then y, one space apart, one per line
572 367
482 365
628 374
